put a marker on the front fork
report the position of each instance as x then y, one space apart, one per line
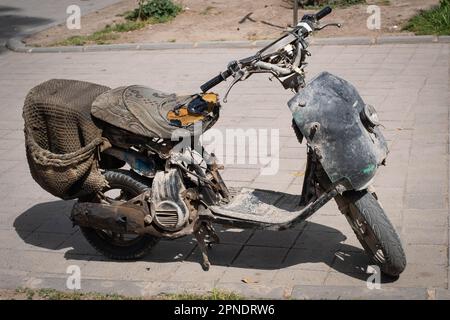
316 181
309 182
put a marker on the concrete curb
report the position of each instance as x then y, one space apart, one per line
407 40
357 293
134 288
16 44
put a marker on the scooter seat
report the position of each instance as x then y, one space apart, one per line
137 109
144 111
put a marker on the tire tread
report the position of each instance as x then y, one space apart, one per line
376 218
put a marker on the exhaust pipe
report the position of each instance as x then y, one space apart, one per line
129 217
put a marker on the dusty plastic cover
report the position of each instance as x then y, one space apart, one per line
327 112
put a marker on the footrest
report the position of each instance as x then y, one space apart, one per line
263 206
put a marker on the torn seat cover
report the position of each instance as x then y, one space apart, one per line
145 111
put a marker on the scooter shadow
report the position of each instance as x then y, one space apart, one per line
323 245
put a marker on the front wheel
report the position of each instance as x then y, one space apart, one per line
374 230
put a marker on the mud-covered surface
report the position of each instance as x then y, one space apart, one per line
222 20
264 206
327 112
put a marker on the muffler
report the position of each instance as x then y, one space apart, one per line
132 216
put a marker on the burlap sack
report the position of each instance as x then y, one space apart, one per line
62 141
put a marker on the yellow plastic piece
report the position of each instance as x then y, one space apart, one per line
182 114
210 97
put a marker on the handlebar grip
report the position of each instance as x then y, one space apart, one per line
215 81
323 13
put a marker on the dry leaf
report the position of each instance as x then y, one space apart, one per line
299 173
248 280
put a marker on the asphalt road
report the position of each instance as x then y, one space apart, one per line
23 16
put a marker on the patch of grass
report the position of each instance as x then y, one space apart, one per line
27 292
103 36
382 2
214 295
97 38
346 3
317 4
159 11
52 294
435 21
207 10
126 26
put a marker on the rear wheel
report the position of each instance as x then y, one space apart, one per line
123 186
374 231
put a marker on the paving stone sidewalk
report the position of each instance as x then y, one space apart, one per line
408 84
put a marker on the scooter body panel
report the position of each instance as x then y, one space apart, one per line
327 112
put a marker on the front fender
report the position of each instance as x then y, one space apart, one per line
327 112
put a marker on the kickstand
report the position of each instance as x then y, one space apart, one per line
205 235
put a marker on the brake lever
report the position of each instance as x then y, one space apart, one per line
318 28
236 78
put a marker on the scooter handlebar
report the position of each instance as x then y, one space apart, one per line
215 81
323 13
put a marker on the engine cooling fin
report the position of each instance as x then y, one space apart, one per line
170 210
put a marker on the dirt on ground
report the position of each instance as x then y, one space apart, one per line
221 20
51 294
